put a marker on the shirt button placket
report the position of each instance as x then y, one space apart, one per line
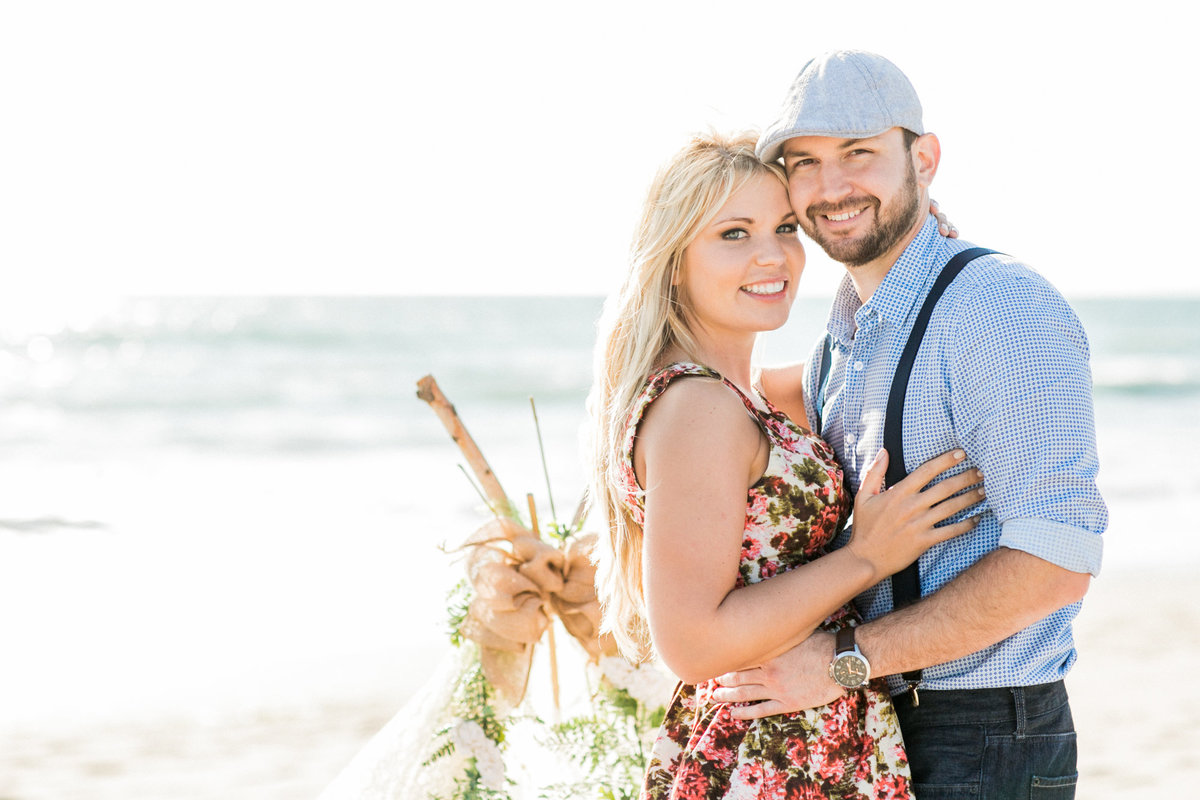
860 353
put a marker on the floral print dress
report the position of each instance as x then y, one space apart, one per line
851 748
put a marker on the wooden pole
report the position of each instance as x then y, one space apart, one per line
427 390
549 609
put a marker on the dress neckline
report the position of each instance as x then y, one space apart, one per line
758 401
767 408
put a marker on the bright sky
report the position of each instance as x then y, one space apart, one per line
262 146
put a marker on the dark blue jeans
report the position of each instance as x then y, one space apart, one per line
991 744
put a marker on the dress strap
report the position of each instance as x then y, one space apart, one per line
657 383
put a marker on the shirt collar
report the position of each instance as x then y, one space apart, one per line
901 287
841 325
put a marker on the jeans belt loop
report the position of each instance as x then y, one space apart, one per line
1019 707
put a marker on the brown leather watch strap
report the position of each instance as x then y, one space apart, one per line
844 642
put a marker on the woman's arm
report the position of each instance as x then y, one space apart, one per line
697 453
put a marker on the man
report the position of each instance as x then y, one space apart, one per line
1002 373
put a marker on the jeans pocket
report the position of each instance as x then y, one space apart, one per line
1012 766
944 791
1062 788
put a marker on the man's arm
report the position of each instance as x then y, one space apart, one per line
986 604
1004 592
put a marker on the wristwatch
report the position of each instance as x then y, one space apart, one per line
850 668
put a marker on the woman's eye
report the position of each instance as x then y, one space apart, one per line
736 233
787 228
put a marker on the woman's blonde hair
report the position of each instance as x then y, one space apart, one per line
640 322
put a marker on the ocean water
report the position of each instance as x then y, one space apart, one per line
228 503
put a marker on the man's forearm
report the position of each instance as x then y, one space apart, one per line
1004 592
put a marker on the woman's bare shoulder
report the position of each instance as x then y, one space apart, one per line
696 403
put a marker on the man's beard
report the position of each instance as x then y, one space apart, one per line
888 229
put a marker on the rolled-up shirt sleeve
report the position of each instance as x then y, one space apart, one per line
1021 401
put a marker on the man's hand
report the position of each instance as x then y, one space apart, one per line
794 681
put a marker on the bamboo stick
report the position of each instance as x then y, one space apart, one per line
553 650
580 513
533 520
428 390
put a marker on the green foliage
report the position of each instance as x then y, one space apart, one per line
470 787
560 533
607 745
458 605
444 750
473 703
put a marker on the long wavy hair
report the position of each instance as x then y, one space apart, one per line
639 323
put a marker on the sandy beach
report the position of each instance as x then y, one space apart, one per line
1137 634
219 563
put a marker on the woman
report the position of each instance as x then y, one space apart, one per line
710 491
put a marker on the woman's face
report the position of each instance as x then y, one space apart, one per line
739 276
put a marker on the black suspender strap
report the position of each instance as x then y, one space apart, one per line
823 379
906 584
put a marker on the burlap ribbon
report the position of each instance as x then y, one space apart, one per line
519 581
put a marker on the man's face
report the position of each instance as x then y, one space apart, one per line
856 198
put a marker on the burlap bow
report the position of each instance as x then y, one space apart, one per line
519 582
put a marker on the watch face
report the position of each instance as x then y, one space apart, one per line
850 671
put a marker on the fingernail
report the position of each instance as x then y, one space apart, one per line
959 455
980 492
979 474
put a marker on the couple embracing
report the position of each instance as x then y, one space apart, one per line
863 569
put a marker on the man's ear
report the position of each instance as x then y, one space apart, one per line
926 154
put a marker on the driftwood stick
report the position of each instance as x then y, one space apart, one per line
427 390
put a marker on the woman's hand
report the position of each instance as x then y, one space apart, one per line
892 528
945 226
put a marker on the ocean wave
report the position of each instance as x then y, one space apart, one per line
323 374
48 525
1161 388
1153 372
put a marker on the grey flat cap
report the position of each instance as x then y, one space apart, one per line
847 94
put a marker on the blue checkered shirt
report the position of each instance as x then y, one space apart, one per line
1002 373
